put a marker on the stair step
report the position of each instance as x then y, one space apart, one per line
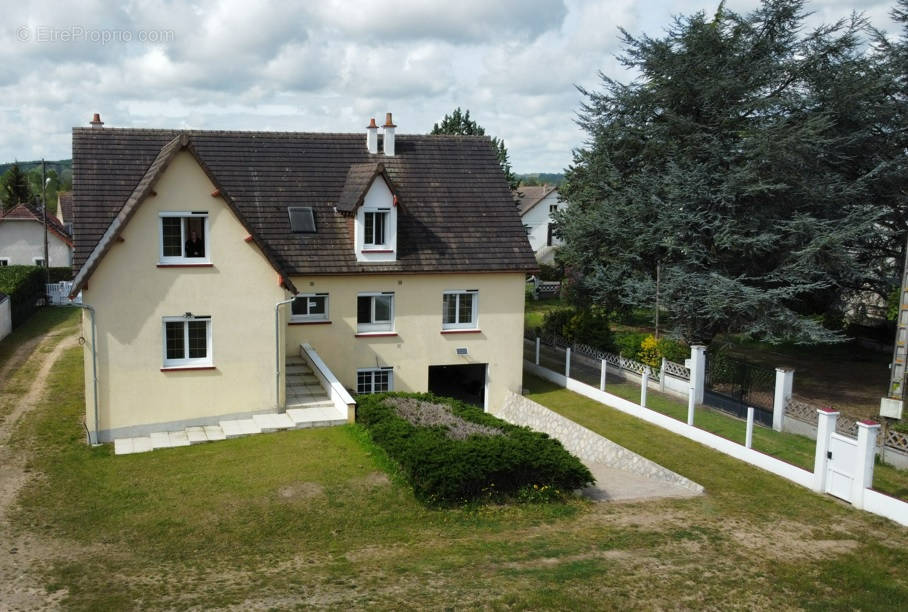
315 416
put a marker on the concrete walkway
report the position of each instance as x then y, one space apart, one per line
614 484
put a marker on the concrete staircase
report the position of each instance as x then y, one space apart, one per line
308 405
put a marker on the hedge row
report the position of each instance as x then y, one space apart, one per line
25 287
447 471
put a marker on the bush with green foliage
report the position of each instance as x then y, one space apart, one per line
60 274
550 273
586 326
25 287
628 344
445 471
651 351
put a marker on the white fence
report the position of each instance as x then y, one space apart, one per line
6 317
58 294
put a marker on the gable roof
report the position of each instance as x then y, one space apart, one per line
460 215
532 195
24 212
65 206
359 179
141 192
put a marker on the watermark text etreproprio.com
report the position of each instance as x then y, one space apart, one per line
78 34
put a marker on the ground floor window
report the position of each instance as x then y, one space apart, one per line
309 307
459 309
187 341
38 261
374 380
4 261
374 312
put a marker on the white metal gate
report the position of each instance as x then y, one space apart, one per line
840 469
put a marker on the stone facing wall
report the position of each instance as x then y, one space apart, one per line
585 444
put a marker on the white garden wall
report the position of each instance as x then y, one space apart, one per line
6 317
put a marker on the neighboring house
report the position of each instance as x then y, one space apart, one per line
65 210
22 239
537 203
405 267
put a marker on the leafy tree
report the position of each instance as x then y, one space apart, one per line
724 165
15 187
458 123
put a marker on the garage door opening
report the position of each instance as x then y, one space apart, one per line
464 382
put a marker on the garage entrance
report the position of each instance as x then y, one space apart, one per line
466 383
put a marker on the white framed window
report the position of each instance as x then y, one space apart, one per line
376 228
38 261
183 238
374 312
4 261
553 208
309 307
459 309
187 341
374 380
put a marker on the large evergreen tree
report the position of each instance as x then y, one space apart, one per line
459 123
725 164
15 187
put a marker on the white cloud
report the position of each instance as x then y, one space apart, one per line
324 66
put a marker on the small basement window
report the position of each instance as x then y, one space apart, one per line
374 380
302 219
184 238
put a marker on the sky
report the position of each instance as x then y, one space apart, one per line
326 65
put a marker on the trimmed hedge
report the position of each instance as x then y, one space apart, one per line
445 471
25 287
60 274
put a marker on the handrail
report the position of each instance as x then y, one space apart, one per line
338 394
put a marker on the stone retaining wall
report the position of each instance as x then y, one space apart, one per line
585 444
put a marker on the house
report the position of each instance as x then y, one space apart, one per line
537 203
224 272
65 210
22 239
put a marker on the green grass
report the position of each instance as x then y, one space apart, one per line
61 320
534 311
306 519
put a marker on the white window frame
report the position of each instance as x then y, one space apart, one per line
303 318
372 372
474 315
553 208
372 326
4 261
38 261
187 362
183 260
386 222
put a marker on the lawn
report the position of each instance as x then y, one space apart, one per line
310 518
534 311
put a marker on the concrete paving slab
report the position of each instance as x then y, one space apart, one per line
160 439
196 435
248 427
142 444
231 429
613 484
272 422
178 438
214 432
124 446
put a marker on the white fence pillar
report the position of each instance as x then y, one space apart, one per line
825 426
691 393
863 471
662 375
784 385
602 375
567 363
698 371
537 350
644 385
749 436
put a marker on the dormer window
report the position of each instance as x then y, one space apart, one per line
376 224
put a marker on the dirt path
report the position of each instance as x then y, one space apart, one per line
19 357
18 550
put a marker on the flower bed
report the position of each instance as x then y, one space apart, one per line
452 452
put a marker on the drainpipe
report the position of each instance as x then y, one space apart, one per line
94 371
277 352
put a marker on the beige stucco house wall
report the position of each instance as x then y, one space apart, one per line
131 294
22 240
419 341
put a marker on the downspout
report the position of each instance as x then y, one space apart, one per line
94 371
277 352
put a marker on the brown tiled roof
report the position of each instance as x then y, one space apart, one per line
24 212
65 204
532 195
359 179
458 214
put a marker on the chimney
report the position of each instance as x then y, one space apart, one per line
96 121
388 128
372 137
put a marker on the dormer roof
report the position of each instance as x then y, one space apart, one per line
359 179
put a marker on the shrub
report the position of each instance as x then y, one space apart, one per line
587 326
550 273
25 287
60 274
628 344
499 461
555 321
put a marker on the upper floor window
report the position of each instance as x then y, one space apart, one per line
374 312
187 341
309 307
184 238
553 208
459 309
375 231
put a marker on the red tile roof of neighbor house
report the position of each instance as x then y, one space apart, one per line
456 215
531 195
24 212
